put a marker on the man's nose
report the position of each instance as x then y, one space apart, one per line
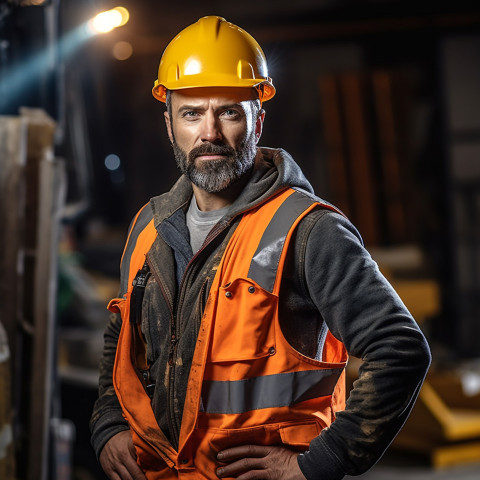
211 131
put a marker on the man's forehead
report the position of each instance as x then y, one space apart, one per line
213 95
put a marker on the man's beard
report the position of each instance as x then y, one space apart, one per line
216 175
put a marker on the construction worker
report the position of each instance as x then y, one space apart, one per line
242 295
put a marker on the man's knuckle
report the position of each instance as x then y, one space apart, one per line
108 470
253 450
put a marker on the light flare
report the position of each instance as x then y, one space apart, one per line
107 21
16 80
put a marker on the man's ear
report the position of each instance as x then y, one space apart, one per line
168 124
259 124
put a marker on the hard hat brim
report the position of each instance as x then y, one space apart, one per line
265 87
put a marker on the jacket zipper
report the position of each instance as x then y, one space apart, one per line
172 420
171 354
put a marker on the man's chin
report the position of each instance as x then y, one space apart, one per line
212 187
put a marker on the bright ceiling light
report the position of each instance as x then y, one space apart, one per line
105 22
124 13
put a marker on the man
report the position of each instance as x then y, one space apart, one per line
241 293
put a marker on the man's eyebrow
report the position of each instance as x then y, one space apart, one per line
231 105
185 108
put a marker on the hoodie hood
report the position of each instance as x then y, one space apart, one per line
273 171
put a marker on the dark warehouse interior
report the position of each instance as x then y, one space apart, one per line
377 100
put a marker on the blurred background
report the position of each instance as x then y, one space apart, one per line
377 100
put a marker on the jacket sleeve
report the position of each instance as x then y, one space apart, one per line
362 310
107 419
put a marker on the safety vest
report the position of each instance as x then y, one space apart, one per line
247 384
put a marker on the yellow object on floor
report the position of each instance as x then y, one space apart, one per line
449 433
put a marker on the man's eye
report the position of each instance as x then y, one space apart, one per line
231 113
190 114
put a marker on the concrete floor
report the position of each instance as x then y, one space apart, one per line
379 472
403 467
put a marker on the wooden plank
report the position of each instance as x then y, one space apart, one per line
32 192
335 143
13 147
363 185
42 197
7 462
392 189
52 193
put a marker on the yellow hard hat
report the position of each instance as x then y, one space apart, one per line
213 53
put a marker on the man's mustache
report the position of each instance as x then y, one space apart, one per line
208 148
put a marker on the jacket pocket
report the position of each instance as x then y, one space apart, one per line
244 324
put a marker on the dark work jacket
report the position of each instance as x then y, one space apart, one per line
330 282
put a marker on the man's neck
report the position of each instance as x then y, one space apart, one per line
215 201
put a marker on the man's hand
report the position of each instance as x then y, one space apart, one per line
250 462
119 460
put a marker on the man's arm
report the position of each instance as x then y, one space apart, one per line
107 419
364 312
111 437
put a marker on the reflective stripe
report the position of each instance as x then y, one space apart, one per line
269 391
143 219
322 337
263 268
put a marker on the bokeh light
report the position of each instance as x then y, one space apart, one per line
122 50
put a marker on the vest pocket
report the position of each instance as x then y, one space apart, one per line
221 439
296 436
244 326
299 436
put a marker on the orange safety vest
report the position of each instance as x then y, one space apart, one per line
246 383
